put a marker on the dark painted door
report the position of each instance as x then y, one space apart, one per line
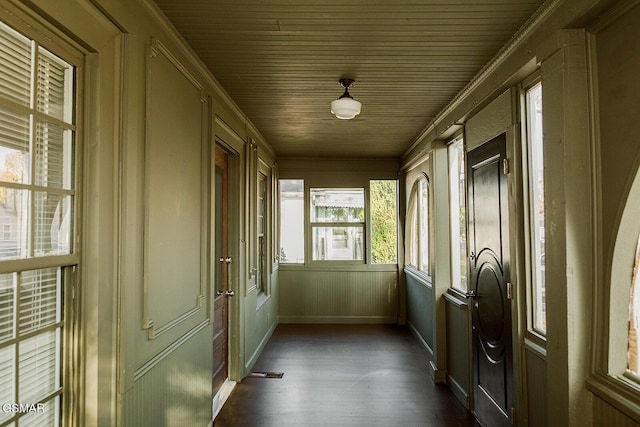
489 284
222 261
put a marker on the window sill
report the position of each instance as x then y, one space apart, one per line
419 275
619 392
329 266
456 298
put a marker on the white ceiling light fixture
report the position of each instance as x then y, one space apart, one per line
345 107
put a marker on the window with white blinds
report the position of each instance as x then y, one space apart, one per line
37 198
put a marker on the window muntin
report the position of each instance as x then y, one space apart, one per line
383 216
292 221
533 99
458 219
337 224
37 205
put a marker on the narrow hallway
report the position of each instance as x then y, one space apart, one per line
343 375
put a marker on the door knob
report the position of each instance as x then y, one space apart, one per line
229 293
471 294
227 260
218 293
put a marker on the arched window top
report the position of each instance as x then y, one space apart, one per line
418 241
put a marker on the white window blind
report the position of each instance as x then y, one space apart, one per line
37 203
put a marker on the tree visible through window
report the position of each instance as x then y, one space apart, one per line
384 233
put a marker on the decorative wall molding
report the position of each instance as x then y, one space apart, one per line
172 92
142 370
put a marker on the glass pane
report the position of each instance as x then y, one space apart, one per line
52 224
46 415
39 366
15 66
53 156
338 243
423 188
7 379
337 205
14 208
383 221
634 316
54 86
14 146
261 203
291 221
7 313
458 215
40 299
536 201
413 236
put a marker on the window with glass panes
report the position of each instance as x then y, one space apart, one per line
458 212
418 226
37 205
337 224
535 157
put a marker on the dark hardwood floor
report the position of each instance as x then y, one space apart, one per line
343 375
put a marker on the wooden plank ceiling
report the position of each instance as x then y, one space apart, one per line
280 61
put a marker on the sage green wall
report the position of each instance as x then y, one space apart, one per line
421 309
148 355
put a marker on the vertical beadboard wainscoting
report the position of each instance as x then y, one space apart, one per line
340 295
176 388
536 366
458 347
420 307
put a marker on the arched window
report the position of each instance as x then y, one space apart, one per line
418 226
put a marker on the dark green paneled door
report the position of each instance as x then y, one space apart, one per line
489 284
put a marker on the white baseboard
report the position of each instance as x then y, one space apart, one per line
221 397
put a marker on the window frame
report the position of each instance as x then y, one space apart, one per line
66 264
303 232
462 197
264 263
529 192
369 220
415 224
311 225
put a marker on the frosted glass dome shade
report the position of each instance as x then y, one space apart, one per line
345 108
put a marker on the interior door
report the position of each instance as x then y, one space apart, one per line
489 284
222 262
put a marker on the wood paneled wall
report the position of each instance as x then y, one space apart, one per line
333 296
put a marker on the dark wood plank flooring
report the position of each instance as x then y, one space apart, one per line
343 375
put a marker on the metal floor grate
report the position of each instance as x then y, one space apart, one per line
265 375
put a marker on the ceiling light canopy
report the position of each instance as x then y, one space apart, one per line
345 107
